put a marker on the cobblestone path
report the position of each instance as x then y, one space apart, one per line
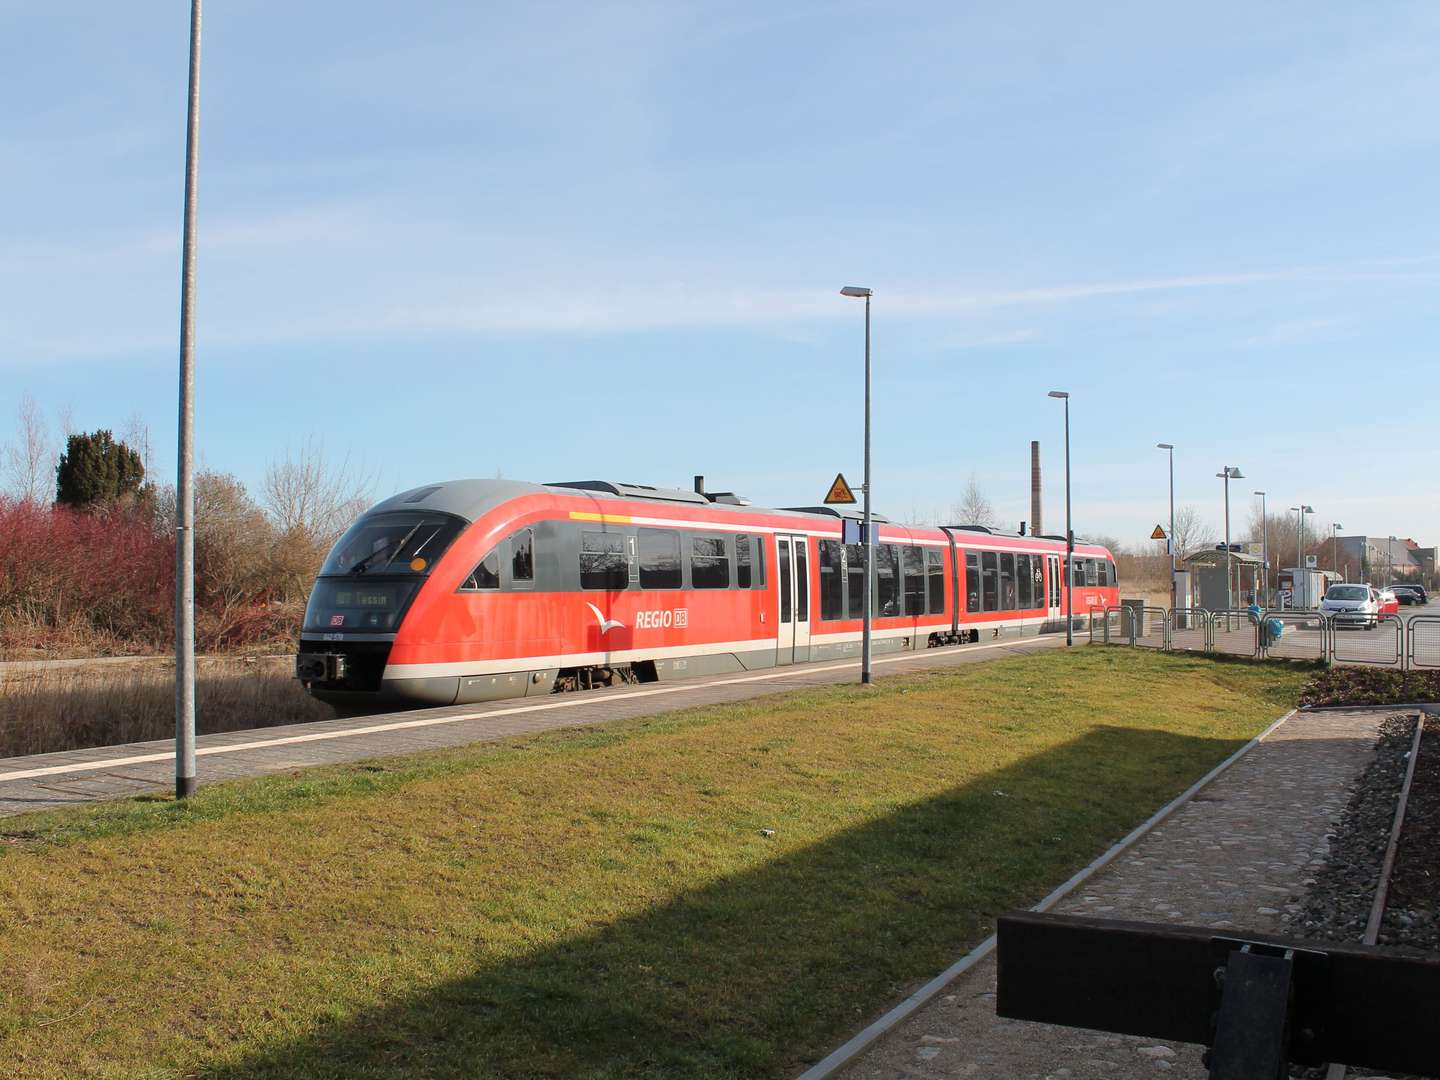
1230 858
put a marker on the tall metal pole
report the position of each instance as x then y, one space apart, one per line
184 487
869 539
1170 542
1069 540
1229 559
1264 548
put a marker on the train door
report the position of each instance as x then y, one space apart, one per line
1054 616
792 586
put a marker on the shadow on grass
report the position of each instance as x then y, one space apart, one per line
767 970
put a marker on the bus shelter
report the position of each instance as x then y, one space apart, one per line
1208 572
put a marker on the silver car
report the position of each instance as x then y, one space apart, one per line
1351 605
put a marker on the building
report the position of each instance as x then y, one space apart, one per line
1376 559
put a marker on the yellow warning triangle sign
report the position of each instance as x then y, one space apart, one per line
839 491
1158 534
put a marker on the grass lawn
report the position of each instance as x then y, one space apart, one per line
601 902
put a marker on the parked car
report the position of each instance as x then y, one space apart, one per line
1389 603
1351 605
1410 594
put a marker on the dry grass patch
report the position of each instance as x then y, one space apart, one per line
596 902
43 710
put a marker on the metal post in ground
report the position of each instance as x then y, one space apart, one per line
184 487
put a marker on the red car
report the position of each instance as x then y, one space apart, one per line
1389 603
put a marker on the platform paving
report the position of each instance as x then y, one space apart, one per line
44 781
1231 858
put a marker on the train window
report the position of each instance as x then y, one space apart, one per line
602 561
758 581
972 581
887 588
1102 572
1055 565
742 561
802 582
522 556
709 563
935 570
404 542
855 580
1007 581
1092 575
1022 582
914 561
990 591
832 580
487 574
659 559
1038 571
784 581
1077 573
1114 577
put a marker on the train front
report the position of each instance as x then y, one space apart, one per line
367 584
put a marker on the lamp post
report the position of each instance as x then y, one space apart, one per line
1335 528
1228 473
1300 512
184 487
1390 562
869 541
1064 395
1170 543
1264 548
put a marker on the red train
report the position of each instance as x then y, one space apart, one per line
479 589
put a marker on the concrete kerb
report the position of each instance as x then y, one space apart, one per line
847 1052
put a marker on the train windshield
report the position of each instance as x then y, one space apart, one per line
405 542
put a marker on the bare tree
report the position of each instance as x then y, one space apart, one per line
137 437
30 464
973 508
1191 532
309 496
310 500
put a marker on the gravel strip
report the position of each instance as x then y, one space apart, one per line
1335 902
1412 917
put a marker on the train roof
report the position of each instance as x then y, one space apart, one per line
472 499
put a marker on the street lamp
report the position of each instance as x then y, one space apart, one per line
869 541
1390 562
1228 473
1265 547
184 486
1064 395
1170 448
1300 512
1335 528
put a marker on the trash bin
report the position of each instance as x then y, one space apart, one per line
1132 619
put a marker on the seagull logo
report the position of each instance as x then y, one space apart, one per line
606 625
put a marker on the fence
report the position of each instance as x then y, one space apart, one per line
1424 646
1385 640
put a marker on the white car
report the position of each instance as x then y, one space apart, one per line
1351 605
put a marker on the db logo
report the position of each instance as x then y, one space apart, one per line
337 620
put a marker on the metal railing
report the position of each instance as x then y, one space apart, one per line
1423 648
1188 629
1235 632
1302 634
1379 641
1288 634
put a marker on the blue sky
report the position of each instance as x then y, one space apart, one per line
566 241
